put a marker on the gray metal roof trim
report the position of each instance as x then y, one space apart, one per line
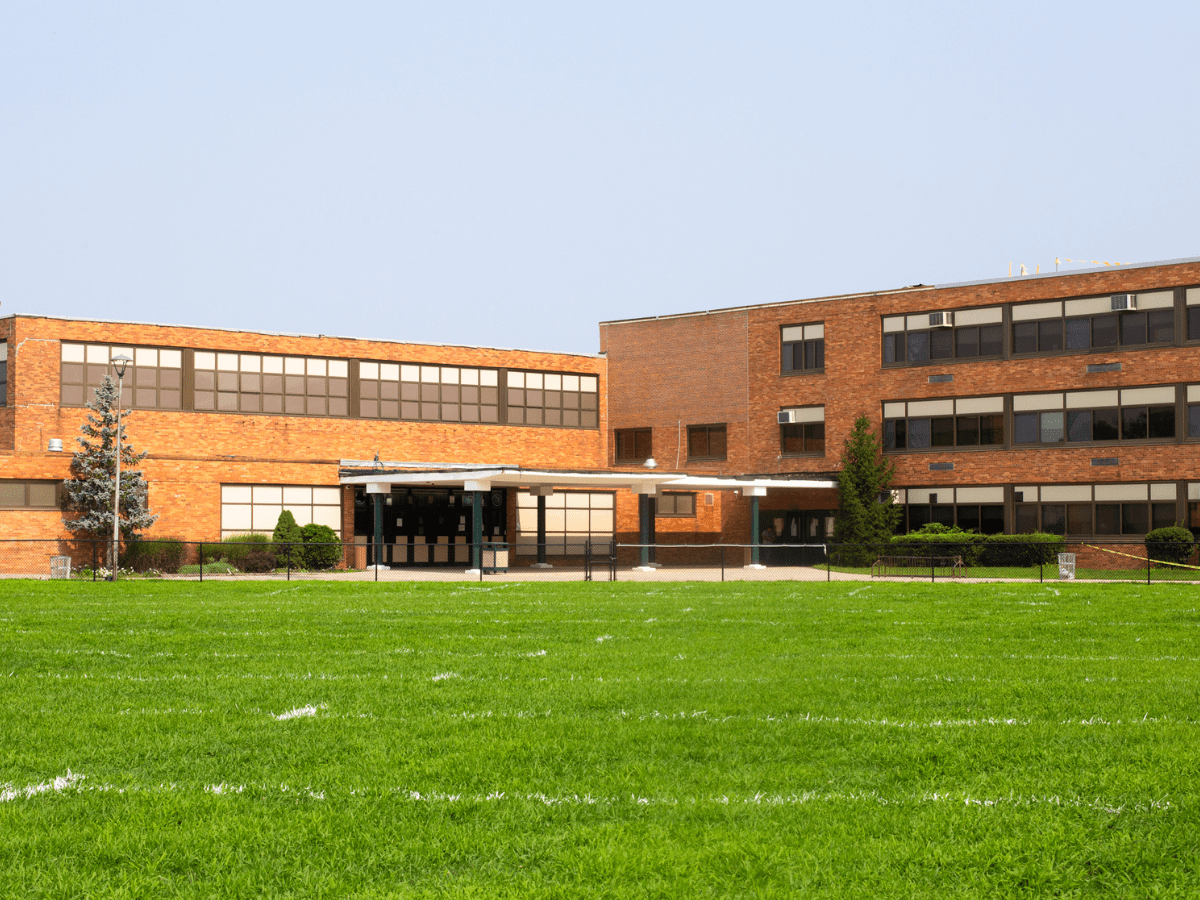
335 337
1089 271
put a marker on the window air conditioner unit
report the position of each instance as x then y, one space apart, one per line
1124 301
787 417
941 320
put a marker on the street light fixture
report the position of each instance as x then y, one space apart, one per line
119 362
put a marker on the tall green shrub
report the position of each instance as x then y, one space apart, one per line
322 550
866 515
1021 551
288 538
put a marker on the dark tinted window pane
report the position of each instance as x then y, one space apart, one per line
893 348
1025 337
918 434
793 438
1133 328
901 434
968 518
818 354
1052 427
786 355
1079 334
991 429
942 432
1104 425
1079 518
814 437
716 442
1054 519
1026 518
1160 325
1194 421
966 342
918 517
918 346
1025 426
1079 425
991 519
1050 335
1133 423
943 515
1135 518
1164 514
1108 518
941 344
1104 331
889 434
968 431
1162 421
1193 323
990 339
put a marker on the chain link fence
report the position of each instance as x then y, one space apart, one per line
955 560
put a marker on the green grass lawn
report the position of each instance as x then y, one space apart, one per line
163 739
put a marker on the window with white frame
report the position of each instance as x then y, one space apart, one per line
257 507
572 519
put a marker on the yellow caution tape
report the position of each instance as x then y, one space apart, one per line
1141 558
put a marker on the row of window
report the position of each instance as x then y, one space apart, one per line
257 507
3 373
801 433
1128 414
313 386
1043 327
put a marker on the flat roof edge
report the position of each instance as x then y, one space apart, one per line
1119 267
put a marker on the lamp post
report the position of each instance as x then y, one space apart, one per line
119 363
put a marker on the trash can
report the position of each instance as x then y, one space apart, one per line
1066 567
60 567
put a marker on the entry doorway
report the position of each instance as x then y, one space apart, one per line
428 526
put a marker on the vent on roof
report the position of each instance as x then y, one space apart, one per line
941 319
1124 301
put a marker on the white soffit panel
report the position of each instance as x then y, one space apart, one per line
1133 396
1130 492
981 495
988 315
980 405
1037 311
931 408
1032 402
1088 306
1067 493
1091 399
1156 300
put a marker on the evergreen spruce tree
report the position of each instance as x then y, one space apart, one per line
865 475
89 503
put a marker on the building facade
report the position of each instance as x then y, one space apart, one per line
1067 403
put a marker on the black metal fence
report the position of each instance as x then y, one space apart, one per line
949 560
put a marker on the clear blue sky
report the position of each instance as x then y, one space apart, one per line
509 174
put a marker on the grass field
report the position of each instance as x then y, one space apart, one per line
598 740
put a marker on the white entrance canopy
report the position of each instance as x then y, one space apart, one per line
383 475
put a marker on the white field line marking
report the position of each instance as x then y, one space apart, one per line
442 676
73 782
603 638
299 712
57 786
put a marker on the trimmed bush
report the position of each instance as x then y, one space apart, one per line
164 555
322 550
245 552
1172 545
288 538
943 543
219 567
1021 551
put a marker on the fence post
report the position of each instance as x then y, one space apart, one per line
828 565
201 552
481 559
932 570
93 559
287 553
1147 564
722 564
1041 566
